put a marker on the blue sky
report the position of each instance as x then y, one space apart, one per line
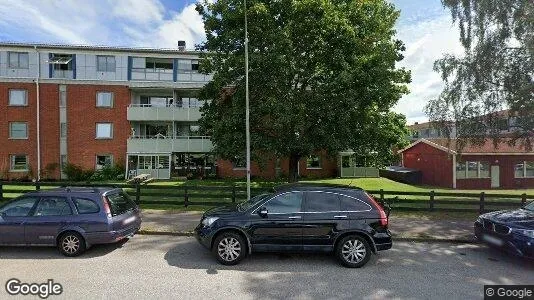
424 26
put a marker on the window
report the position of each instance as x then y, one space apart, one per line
18 163
524 169
194 65
18 98
105 63
18 60
104 130
353 204
61 62
239 163
285 204
159 64
120 203
313 162
63 129
472 169
18 208
322 202
104 99
18 130
53 206
103 161
85 206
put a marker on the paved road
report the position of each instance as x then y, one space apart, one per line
163 267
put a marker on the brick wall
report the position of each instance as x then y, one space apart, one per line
82 116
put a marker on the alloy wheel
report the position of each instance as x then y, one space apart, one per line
353 251
229 249
71 244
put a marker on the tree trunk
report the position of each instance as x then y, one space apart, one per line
293 168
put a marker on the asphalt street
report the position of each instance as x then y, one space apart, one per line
167 267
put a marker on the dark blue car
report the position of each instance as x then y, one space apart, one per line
510 230
72 219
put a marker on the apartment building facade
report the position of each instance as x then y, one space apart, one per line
97 106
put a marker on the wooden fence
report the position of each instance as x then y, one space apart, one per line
184 195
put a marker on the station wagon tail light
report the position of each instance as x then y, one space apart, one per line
383 216
107 209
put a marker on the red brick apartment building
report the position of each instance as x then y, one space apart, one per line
476 167
94 106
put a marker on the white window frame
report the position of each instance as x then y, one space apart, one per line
12 159
18 54
466 172
524 170
96 161
111 102
18 90
11 137
107 64
314 168
104 137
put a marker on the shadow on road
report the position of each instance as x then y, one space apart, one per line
38 252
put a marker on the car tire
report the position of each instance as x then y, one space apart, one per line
229 248
71 244
353 251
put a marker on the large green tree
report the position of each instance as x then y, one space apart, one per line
495 72
320 72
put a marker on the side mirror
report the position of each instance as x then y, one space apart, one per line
263 212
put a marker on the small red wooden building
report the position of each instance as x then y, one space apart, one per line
475 167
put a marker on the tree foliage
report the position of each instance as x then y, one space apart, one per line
495 72
321 72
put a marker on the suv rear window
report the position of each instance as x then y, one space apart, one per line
85 206
321 202
120 203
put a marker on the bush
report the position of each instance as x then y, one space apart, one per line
77 173
115 172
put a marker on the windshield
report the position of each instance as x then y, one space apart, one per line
246 205
529 206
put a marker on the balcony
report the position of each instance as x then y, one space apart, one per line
148 112
66 74
152 75
193 77
162 144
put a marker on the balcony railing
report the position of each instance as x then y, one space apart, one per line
193 77
147 112
67 74
167 144
151 75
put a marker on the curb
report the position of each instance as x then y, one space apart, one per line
400 239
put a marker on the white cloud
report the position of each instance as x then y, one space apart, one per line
138 11
426 41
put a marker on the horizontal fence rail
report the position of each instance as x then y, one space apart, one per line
185 195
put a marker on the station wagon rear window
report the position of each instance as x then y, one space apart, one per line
86 206
120 203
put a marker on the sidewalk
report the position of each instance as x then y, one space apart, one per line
402 228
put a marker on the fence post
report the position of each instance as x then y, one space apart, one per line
1 192
137 192
523 197
431 200
233 193
382 195
37 185
481 209
186 198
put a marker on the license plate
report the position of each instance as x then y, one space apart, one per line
492 240
129 220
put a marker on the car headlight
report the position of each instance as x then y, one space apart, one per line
529 233
209 220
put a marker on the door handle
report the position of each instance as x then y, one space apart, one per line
295 217
340 217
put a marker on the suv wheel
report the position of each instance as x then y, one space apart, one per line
353 251
229 248
71 244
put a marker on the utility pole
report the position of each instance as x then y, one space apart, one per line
247 110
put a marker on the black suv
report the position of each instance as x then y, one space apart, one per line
299 218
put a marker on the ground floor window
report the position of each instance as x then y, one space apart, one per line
472 169
105 160
524 169
18 162
239 163
313 162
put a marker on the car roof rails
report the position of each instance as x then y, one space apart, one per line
79 189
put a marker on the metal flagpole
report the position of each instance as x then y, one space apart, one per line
247 110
